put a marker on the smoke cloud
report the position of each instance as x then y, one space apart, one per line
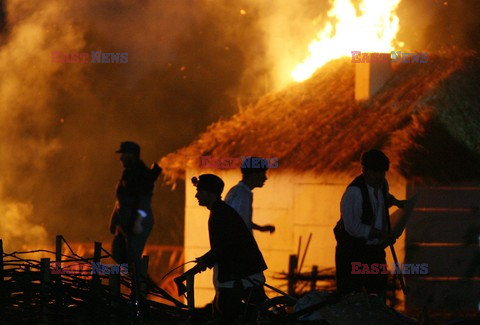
190 63
62 122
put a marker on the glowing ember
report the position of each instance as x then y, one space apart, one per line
373 30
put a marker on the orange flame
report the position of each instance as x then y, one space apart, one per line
374 30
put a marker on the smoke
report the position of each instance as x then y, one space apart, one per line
190 63
434 25
18 233
62 122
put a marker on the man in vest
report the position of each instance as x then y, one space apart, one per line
363 231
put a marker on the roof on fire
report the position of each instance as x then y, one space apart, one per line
426 118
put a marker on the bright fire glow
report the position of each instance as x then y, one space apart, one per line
373 30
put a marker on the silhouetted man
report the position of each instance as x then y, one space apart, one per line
364 227
240 197
232 247
132 217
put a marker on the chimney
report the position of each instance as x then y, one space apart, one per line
371 76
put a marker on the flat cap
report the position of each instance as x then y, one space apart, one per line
129 147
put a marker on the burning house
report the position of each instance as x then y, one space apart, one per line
424 116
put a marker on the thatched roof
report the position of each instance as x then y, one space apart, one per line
426 118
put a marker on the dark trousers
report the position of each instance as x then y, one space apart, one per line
128 249
228 307
365 254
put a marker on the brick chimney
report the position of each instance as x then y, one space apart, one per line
371 76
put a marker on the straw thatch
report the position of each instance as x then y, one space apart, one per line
426 117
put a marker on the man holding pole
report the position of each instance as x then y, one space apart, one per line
363 231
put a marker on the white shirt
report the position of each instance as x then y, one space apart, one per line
351 210
240 197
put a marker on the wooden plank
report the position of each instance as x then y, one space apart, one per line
453 197
442 294
442 227
459 261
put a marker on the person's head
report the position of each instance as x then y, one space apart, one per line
129 153
254 171
209 189
375 164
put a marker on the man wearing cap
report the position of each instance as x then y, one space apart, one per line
232 247
132 218
363 231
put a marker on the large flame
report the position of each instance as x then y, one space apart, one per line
373 30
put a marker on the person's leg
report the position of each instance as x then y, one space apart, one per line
376 283
119 249
227 305
346 281
136 244
255 299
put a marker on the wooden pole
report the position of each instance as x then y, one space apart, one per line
292 266
44 280
304 253
400 276
58 277
58 250
97 253
299 248
45 270
313 284
190 291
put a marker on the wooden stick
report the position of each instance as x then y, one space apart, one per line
292 265
305 252
395 260
298 249
58 250
190 291
97 254
313 284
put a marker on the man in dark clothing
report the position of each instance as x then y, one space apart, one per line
232 247
363 231
132 217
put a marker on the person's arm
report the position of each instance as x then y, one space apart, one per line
269 228
114 220
241 203
351 209
393 201
155 171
